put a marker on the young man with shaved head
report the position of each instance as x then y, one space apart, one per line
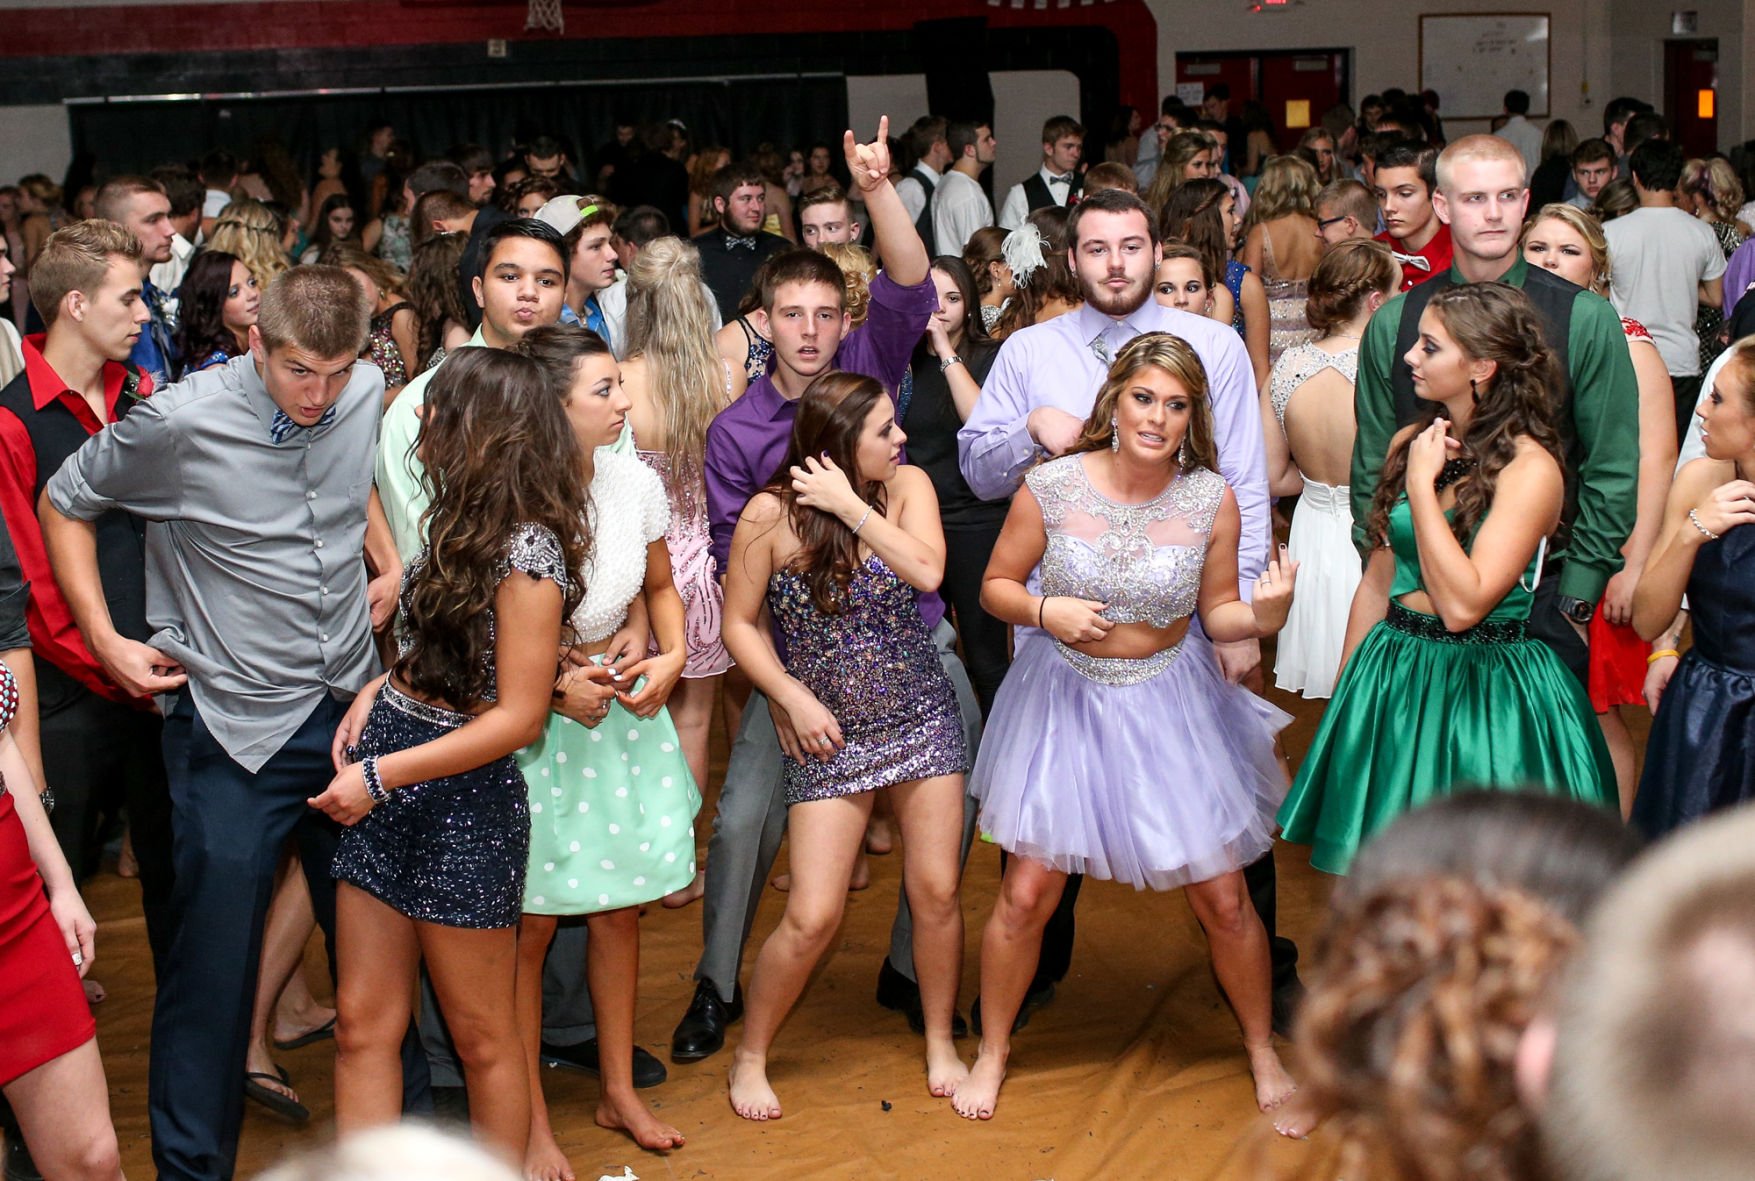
1482 196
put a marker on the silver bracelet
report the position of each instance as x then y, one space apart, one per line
1692 520
374 784
862 521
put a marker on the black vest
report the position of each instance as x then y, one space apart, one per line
1038 194
121 537
1553 298
923 223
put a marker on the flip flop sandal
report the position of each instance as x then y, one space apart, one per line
281 1105
309 1037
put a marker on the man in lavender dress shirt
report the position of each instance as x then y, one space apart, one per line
804 297
1035 402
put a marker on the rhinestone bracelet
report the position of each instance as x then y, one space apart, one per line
374 785
1695 521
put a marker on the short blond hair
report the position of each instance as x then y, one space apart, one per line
320 309
1479 147
76 257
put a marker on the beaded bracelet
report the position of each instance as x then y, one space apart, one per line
1661 654
862 521
1695 521
374 785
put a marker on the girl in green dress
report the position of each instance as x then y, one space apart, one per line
1441 685
612 802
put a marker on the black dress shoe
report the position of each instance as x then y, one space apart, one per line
701 1032
1286 999
648 1071
1041 992
899 994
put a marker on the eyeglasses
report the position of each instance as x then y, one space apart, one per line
1323 223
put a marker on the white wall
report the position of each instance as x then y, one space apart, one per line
34 139
1023 100
1599 48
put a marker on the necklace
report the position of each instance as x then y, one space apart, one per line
1454 470
1340 336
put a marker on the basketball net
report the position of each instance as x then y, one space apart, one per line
546 14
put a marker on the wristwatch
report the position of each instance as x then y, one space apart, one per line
1578 611
946 362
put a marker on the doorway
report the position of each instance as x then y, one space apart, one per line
1691 93
1294 86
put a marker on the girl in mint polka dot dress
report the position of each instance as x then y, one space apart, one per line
612 802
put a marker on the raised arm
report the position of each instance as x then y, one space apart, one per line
907 533
893 233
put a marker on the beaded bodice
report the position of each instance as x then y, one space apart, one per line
532 548
1143 560
874 647
1298 365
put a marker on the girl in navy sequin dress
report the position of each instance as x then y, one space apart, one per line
432 864
838 547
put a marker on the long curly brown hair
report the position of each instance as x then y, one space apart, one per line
1172 354
498 453
1489 322
1420 992
831 417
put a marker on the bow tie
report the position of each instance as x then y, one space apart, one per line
283 426
1418 261
1065 178
734 242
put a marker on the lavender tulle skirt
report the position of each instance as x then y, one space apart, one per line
1158 783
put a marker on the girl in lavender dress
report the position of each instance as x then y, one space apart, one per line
839 547
1115 748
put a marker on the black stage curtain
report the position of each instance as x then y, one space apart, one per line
738 113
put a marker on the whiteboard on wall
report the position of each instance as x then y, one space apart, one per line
1472 60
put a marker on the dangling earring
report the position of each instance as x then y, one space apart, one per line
1182 452
1114 435
1474 391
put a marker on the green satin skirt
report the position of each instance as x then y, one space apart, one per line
1420 712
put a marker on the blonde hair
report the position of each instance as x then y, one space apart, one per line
670 327
1479 147
350 254
248 231
1175 356
1183 147
1588 228
76 257
1288 187
1715 185
858 269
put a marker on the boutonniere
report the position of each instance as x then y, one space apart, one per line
131 387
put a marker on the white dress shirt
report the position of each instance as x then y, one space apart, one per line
1055 364
913 192
1017 206
959 208
1526 137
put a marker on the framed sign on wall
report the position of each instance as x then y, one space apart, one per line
1472 59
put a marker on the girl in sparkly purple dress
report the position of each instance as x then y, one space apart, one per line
1115 748
838 547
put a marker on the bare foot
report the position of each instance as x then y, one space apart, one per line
127 865
751 1096
879 839
688 893
1296 1117
544 1160
945 1071
626 1113
782 883
978 1094
1273 1086
861 879
300 1027
94 992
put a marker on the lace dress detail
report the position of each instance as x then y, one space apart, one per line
628 512
532 548
1298 365
1286 300
1144 560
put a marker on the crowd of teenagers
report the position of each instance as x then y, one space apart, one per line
383 549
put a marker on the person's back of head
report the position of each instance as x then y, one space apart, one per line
641 225
1645 126
1517 102
1653 1059
1559 139
1657 165
1620 110
219 169
438 174
961 137
922 135
1616 199
1111 174
181 187
1344 281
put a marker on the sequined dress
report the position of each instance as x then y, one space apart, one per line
874 666
693 569
1421 711
1308 652
1156 772
450 851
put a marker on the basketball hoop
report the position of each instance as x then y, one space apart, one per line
546 15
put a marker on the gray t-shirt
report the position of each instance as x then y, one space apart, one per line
1658 257
255 576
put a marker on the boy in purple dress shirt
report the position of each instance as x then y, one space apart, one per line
804 298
